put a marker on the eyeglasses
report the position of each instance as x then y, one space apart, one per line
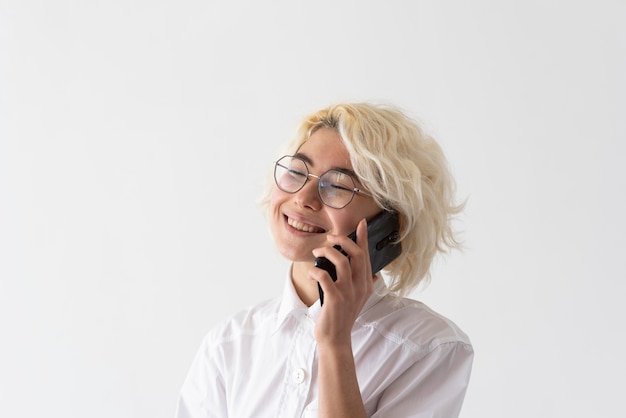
336 188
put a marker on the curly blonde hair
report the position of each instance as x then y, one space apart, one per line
405 170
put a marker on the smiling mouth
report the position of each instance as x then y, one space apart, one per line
303 227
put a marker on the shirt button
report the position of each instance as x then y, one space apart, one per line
298 376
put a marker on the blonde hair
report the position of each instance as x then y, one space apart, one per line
405 170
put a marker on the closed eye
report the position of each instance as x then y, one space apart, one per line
341 187
295 173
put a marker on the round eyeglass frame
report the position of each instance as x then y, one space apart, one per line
307 175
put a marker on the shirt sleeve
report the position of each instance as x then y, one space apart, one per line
202 394
433 387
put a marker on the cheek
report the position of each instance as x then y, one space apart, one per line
275 201
277 197
346 222
345 225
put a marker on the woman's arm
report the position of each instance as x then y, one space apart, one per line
339 394
338 387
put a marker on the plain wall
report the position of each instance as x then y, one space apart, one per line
135 137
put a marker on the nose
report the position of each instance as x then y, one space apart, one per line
308 196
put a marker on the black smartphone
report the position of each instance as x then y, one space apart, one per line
383 232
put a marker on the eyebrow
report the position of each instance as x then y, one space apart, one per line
344 170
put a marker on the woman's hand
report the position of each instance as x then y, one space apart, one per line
344 298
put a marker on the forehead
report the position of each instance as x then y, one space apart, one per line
324 149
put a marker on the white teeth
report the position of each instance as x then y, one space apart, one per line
302 227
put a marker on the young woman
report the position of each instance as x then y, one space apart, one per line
368 350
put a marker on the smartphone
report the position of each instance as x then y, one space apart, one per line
383 232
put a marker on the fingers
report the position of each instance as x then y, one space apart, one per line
354 274
358 253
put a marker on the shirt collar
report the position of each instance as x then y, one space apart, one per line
291 304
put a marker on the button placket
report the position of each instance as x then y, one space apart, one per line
297 376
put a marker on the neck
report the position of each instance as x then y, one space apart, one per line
306 288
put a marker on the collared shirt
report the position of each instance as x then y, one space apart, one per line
262 362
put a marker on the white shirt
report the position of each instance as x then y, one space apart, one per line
262 362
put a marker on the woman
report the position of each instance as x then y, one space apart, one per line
368 351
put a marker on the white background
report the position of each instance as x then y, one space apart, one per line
124 236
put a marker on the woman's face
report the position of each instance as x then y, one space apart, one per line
300 221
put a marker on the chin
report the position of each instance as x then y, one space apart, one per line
295 255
